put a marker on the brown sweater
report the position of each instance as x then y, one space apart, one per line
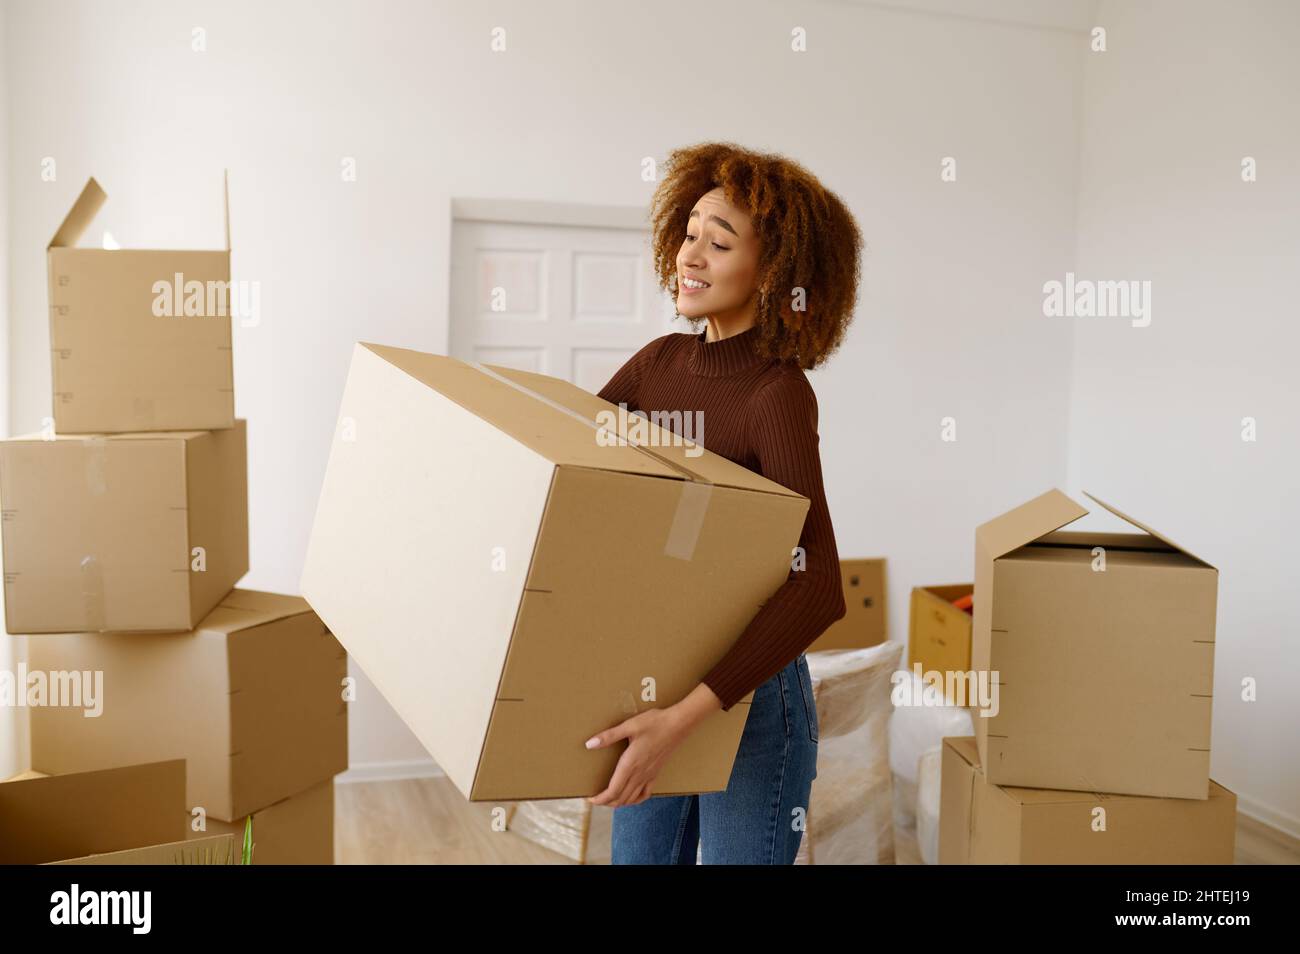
761 414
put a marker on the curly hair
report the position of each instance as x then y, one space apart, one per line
808 240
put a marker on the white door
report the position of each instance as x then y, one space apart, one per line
569 301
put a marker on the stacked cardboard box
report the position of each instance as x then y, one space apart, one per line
1101 650
125 530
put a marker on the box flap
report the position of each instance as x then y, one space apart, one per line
558 420
212 850
510 411
677 452
964 746
83 211
1026 523
1142 526
23 776
244 609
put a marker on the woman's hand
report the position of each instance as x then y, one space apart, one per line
652 736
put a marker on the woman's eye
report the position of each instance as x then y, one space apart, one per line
720 248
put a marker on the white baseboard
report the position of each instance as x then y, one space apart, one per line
390 771
1266 815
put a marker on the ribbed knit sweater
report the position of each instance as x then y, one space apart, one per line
762 414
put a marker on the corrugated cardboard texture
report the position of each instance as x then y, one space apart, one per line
865 620
1105 677
508 582
576 634
56 817
983 823
298 830
251 699
116 365
98 530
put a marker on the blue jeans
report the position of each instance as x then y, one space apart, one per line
759 819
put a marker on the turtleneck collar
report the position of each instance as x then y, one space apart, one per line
726 356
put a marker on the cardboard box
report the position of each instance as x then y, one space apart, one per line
985 824
120 365
1104 677
515 572
53 818
213 850
122 532
939 634
252 699
298 830
864 622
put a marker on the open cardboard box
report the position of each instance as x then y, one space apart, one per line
45 818
1104 676
211 850
117 364
939 634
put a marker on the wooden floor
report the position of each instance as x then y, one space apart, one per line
427 821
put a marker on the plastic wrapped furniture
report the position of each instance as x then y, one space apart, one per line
849 820
915 730
567 826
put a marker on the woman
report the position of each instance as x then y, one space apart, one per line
754 246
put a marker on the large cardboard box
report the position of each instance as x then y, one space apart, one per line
1103 646
985 824
516 566
297 830
124 531
252 699
140 339
54 818
939 634
864 622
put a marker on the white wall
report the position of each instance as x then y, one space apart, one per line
11 739
948 324
1141 145
1185 91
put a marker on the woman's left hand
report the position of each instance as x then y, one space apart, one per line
652 736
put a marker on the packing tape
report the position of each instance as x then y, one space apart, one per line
92 593
96 470
692 502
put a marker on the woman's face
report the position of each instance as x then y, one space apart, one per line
721 250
